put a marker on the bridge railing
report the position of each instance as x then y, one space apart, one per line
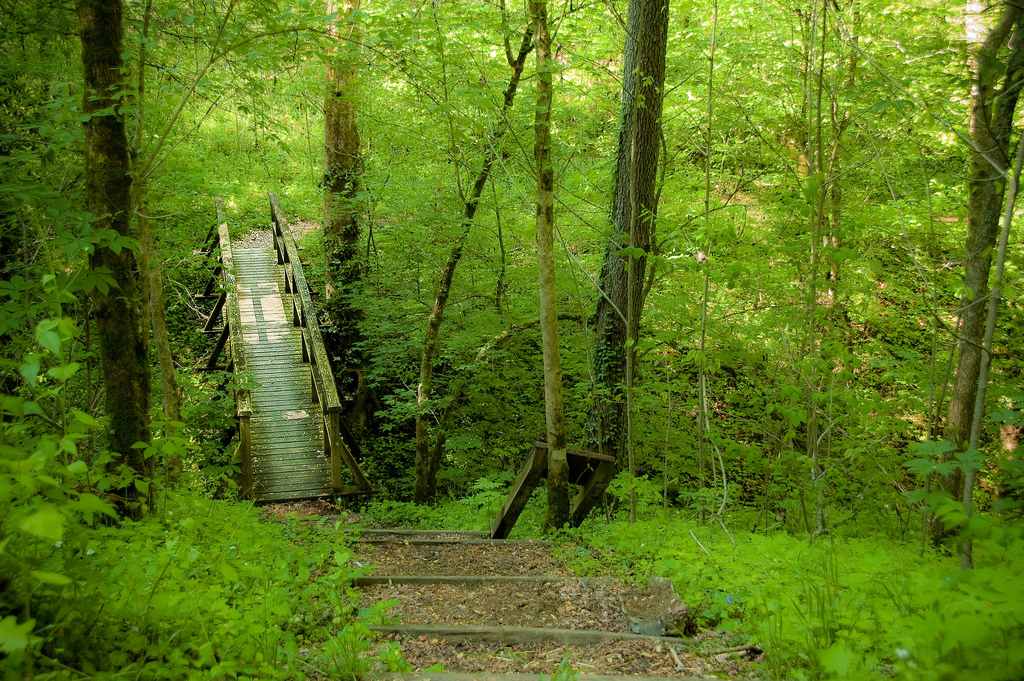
325 391
227 307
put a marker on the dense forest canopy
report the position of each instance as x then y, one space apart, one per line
754 264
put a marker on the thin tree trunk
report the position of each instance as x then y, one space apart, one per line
108 180
342 177
967 547
428 459
558 473
152 277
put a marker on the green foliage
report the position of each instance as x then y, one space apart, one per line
836 608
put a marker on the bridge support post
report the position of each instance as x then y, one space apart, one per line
245 454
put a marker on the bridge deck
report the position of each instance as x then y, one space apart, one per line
287 438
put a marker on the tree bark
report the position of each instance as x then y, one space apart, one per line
428 459
558 484
635 179
342 177
108 182
151 274
992 311
994 93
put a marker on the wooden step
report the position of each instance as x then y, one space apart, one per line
488 676
520 634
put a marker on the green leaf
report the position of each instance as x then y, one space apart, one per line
29 369
63 372
78 468
837 660
51 578
229 573
46 523
47 336
90 505
13 636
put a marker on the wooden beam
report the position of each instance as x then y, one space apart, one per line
530 474
211 321
520 634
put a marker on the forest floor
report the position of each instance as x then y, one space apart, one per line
475 606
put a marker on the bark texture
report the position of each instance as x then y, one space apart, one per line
994 93
108 181
428 458
634 208
342 175
558 483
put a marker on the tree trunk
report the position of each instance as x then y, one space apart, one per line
558 484
994 93
153 288
992 310
428 459
108 181
635 178
342 174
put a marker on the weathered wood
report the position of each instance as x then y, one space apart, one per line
515 676
245 455
470 580
218 347
520 634
443 540
407 531
529 476
211 321
325 391
591 493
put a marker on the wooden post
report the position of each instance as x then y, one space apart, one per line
212 320
245 454
533 470
332 420
211 364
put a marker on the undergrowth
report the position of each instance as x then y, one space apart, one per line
833 607
200 589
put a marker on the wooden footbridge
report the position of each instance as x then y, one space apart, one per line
290 439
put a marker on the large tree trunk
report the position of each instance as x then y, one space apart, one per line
634 209
558 483
994 94
428 458
108 181
342 174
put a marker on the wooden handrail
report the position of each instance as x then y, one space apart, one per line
227 306
303 310
233 314
325 391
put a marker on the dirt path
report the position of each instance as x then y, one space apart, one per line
587 607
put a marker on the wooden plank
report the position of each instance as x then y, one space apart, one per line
521 634
591 493
517 676
329 396
211 321
530 474
442 540
414 532
474 580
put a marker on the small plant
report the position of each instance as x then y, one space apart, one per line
347 655
565 672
